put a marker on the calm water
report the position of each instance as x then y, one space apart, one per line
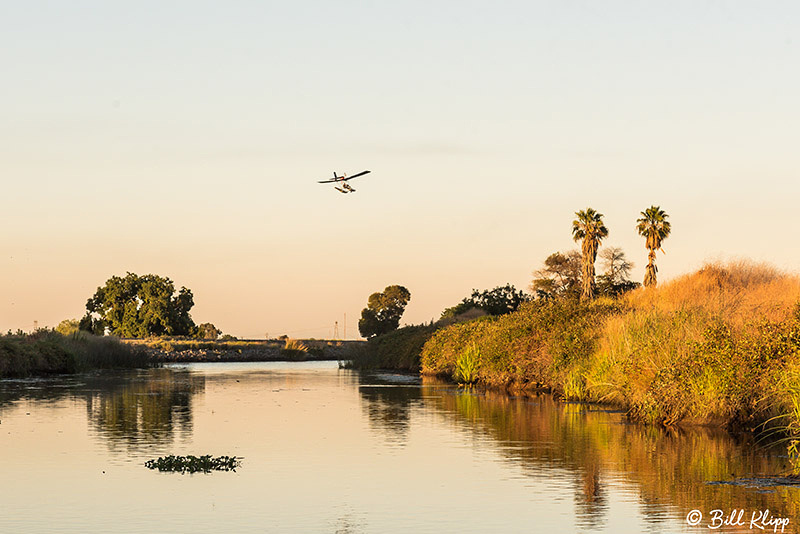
329 450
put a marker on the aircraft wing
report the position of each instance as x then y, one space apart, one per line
340 179
362 173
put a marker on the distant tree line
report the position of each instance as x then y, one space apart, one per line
498 301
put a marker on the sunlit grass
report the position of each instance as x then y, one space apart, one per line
49 352
704 348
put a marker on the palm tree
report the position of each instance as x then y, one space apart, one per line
588 227
654 227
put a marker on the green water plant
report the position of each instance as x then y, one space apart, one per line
466 365
194 464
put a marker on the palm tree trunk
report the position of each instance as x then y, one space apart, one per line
650 272
589 286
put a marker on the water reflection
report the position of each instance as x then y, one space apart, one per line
125 408
459 459
670 470
388 400
148 410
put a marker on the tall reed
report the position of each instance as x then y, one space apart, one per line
49 352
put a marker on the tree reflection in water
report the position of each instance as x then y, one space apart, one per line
388 401
136 409
147 409
598 447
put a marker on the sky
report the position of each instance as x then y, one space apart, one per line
186 138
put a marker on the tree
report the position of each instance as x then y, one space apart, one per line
67 327
654 227
498 301
141 306
383 311
616 278
588 228
208 331
92 325
560 277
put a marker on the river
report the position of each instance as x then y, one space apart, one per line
330 450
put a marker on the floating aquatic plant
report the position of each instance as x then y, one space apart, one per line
194 464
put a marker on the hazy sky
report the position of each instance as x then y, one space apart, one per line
185 139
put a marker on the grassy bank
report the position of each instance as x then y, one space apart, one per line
541 345
46 352
399 350
718 346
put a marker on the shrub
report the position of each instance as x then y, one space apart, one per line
49 352
466 367
708 347
67 327
535 346
294 349
399 350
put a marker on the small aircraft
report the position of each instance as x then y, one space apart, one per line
343 179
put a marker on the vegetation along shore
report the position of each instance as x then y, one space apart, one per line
49 352
720 346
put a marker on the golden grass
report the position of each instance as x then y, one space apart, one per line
736 292
699 347
295 344
707 347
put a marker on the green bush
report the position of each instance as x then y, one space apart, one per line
399 349
536 346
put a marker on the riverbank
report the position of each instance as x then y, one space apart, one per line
165 350
720 346
398 350
46 352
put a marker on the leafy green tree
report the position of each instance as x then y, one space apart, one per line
616 278
67 327
141 306
497 301
588 228
208 331
92 325
655 228
560 276
383 311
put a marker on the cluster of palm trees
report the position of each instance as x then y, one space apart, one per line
588 227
